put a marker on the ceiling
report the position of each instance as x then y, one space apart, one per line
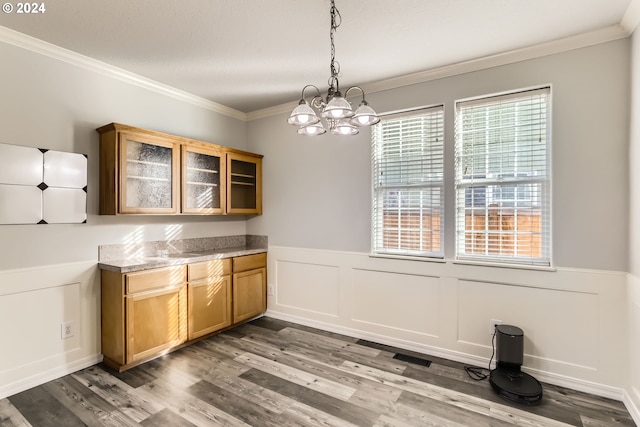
252 54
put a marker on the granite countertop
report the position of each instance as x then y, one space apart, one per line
126 258
128 265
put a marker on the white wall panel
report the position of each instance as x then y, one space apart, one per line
34 303
37 314
574 320
308 287
405 302
558 325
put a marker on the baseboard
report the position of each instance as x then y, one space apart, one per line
630 403
547 377
50 375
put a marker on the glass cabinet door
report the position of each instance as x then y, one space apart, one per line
244 184
148 179
203 172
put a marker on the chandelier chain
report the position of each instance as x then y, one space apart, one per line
336 20
335 110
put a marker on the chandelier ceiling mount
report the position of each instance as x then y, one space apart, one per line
335 109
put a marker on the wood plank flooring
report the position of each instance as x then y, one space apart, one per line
274 373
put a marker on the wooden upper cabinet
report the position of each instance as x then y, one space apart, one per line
244 184
147 172
203 175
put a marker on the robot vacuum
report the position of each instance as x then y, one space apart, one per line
507 379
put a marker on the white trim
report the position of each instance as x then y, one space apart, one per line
631 17
611 33
610 392
50 375
628 401
603 35
52 51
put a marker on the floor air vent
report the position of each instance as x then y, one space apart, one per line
412 359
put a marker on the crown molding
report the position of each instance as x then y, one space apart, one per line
33 44
631 17
603 35
624 29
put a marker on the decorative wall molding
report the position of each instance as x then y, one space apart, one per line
604 35
58 293
39 378
614 32
52 51
631 17
574 328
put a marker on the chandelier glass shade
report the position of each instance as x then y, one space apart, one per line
333 112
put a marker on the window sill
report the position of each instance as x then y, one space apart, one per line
409 258
503 265
464 262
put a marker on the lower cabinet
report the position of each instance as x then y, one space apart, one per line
143 314
152 323
147 313
209 297
249 287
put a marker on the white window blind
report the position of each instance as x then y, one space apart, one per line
408 186
502 178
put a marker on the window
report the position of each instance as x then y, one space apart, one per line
408 186
502 178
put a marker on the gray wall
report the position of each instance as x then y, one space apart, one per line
317 190
51 104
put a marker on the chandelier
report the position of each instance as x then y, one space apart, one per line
336 111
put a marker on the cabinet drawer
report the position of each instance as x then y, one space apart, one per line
215 268
157 278
249 262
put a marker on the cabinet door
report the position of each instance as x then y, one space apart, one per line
203 175
209 305
249 294
148 174
244 184
156 321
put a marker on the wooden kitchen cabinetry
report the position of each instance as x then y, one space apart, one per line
143 314
249 286
209 296
244 184
150 312
203 177
147 172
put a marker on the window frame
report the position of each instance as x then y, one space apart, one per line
378 248
493 183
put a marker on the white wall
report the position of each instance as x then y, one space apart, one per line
574 328
633 304
317 216
48 273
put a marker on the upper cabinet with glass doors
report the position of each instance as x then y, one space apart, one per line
203 174
244 184
147 172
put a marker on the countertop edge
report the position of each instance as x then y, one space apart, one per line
130 265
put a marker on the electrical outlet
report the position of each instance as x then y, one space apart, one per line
271 291
492 325
66 330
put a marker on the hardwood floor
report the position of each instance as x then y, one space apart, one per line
274 373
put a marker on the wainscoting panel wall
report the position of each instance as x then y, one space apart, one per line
411 311
310 288
34 303
633 403
562 324
574 321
